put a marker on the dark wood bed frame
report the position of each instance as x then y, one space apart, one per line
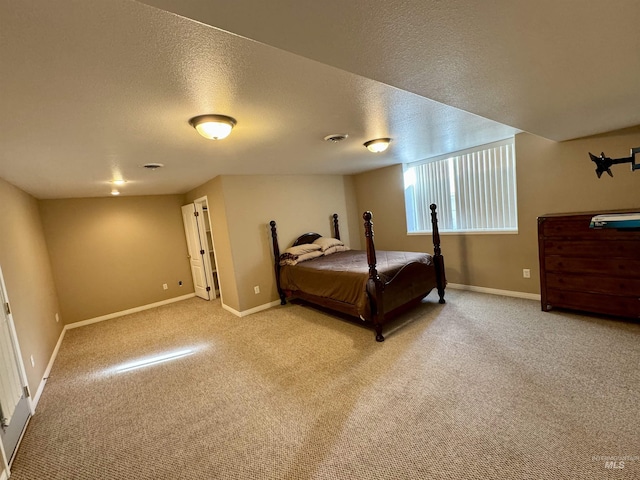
375 286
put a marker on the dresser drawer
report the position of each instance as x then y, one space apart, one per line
596 303
578 227
596 264
592 248
619 286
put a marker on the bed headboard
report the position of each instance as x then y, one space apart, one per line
306 238
301 240
311 236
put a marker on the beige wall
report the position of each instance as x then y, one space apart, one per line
552 178
354 221
113 254
297 203
27 273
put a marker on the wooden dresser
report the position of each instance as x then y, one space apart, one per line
586 269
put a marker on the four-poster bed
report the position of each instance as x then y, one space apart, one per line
373 286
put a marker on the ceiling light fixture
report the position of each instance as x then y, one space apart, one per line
115 192
378 145
213 127
119 182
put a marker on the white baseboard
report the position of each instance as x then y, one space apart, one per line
89 321
244 313
36 397
494 291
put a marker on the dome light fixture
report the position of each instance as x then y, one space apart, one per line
115 192
378 145
213 127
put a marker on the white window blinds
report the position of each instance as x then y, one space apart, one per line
475 190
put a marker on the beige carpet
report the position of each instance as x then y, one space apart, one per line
484 387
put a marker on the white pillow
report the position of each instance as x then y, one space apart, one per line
327 242
302 249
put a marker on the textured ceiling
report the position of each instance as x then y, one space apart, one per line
93 90
561 69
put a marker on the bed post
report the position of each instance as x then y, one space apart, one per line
374 284
336 230
438 259
276 255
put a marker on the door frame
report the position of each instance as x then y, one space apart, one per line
205 201
22 372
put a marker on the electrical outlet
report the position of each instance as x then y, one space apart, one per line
33 362
165 286
256 289
526 273
57 318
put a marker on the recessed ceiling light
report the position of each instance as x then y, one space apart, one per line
153 166
378 145
115 192
336 137
119 182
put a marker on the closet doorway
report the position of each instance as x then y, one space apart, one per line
200 246
15 406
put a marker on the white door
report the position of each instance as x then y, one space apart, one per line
196 252
14 405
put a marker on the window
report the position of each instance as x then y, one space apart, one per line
475 190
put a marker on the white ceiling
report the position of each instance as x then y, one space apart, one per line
93 90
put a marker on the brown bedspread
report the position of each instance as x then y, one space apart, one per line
343 276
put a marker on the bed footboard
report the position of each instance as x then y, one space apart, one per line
375 286
438 259
276 256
